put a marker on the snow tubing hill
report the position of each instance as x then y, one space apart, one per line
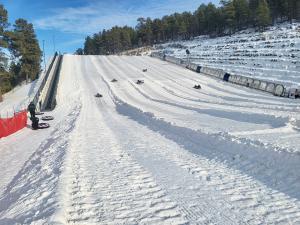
266 86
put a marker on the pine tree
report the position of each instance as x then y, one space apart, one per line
125 39
200 18
5 84
230 14
293 9
211 23
263 14
89 46
3 42
298 10
25 48
79 51
242 13
279 9
253 5
157 30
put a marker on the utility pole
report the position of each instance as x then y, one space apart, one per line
44 55
188 53
54 43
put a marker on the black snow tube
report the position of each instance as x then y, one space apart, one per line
47 118
139 82
44 125
197 86
98 95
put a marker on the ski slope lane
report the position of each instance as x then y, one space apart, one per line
260 119
139 155
101 183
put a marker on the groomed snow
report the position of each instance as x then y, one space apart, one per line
157 153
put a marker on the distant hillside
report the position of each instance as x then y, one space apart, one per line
273 54
229 17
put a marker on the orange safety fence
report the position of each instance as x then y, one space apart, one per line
11 125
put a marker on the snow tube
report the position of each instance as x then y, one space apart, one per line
226 77
256 84
139 82
43 125
279 90
47 118
263 86
270 88
98 95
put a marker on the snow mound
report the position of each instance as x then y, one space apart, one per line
295 123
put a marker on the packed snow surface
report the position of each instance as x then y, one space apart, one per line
159 152
270 55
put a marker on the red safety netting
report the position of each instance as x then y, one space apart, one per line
9 126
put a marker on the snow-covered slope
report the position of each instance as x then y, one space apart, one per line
270 55
157 153
19 98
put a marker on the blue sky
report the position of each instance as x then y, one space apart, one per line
68 22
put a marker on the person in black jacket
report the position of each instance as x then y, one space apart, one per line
31 109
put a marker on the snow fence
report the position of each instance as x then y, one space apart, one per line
11 125
262 85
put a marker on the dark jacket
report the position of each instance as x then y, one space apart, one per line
31 107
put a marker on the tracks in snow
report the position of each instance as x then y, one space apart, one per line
102 184
31 195
231 189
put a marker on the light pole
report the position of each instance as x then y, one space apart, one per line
44 55
188 53
54 43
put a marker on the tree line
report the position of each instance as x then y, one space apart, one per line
20 54
231 16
